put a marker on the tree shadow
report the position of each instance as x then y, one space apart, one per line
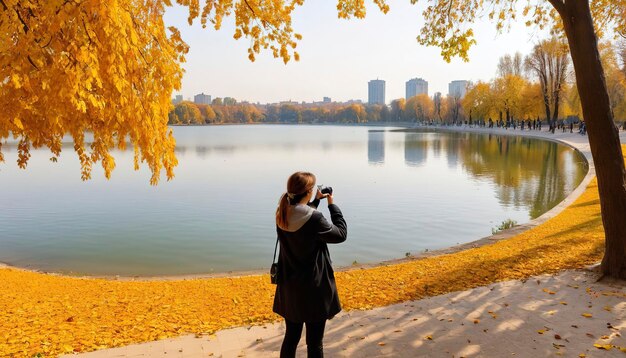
586 203
485 321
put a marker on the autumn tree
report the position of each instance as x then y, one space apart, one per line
374 112
104 68
615 79
397 109
549 63
511 65
508 95
479 100
208 114
437 106
186 113
531 105
453 113
419 108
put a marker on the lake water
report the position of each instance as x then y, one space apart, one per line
400 191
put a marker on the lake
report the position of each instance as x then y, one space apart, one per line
400 192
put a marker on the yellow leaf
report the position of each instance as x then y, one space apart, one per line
603 346
588 315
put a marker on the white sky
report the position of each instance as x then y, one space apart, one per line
338 57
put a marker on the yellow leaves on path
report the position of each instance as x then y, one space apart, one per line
50 314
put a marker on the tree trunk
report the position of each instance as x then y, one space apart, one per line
603 137
555 113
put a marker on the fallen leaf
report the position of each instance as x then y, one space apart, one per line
429 337
541 331
556 336
381 343
588 315
603 346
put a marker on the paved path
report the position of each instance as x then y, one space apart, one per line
540 317
544 316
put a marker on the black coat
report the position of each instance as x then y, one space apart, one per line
306 290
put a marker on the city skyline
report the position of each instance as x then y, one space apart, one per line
376 93
337 57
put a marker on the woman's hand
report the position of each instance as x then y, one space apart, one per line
320 196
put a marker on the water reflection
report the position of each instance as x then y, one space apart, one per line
376 147
432 190
415 148
526 172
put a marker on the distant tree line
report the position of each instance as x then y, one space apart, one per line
536 86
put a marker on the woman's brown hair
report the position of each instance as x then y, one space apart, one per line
298 185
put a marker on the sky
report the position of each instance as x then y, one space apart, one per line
338 57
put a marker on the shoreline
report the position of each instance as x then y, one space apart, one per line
578 143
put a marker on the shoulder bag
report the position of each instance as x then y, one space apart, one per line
274 273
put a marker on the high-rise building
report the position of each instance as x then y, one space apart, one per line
416 86
457 88
326 99
178 99
202 99
376 92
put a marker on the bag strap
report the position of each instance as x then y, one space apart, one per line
274 259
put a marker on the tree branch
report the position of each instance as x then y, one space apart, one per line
4 5
19 16
250 7
559 5
32 63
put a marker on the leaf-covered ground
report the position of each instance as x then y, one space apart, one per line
48 314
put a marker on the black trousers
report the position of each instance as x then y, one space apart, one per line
314 338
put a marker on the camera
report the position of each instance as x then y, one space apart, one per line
325 190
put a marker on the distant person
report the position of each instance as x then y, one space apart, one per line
306 292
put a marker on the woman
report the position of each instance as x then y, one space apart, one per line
306 292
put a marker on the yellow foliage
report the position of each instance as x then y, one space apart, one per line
51 314
103 68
